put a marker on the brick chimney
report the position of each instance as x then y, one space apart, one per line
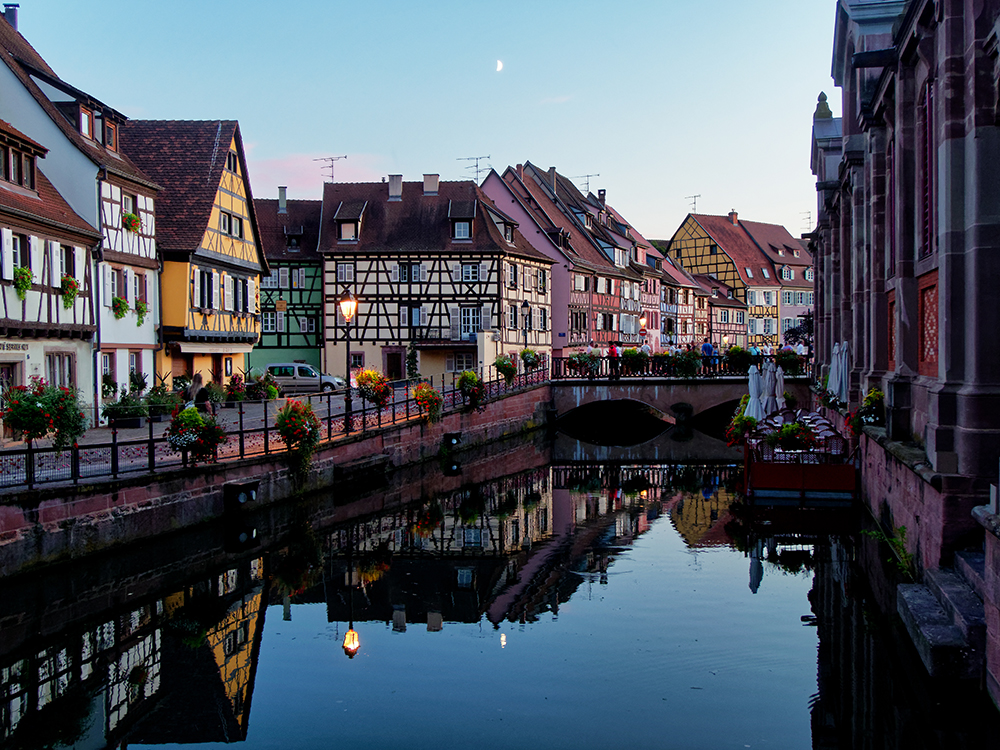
431 184
552 178
10 14
282 200
395 187
733 218
602 196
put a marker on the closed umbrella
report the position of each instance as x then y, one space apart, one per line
831 381
767 390
779 388
844 372
754 408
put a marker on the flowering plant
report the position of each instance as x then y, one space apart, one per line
69 288
585 364
792 436
261 388
472 388
236 389
427 520
507 366
39 409
789 362
870 412
374 388
429 401
299 427
22 281
530 358
141 308
131 222
119 306
741 425
197 433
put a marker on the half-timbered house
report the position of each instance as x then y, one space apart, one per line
676 305
48 329
207 235
104 187
291 297
726 314
435 264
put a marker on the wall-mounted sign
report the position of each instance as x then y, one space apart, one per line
13 346
281 305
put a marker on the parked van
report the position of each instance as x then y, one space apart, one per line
295 377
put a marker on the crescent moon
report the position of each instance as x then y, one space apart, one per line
499 65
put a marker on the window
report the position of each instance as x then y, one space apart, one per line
543 319
67 261
765 274
740 317
471 321
508 232
472 538
768 326
280 317
86 123
60 369
224 222
108 364
470 272
111 136
749 273
357 360
345 273
348 230
138 287
810 274
135 362
892 329
927 316
267 322
463 230
713 249
580 283
787 298
461 361
237 227
231 225
543 280
786 323
512 275
512 316
787 274
232 162
723 316
270 281
128 203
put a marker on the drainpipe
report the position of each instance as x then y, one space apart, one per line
98 385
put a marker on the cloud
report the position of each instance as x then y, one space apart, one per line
304 177
556 99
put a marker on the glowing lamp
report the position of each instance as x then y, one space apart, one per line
348 305
351 643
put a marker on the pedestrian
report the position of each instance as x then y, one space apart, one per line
196 395
613 363
648 351
707 357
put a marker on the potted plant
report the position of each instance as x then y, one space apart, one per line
141 308
374 388
39 410
261 388
236 390
472 388
22 281
216 393
686 364
119 307
585 364
161 403
196 433
530 358
634 362
131 222
738 360
429 401
299 427
507 366
109 388
871 411
69 288
788 361
128 411
427 520
792 436
137 382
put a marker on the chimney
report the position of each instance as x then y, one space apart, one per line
552 178
520 172
10 14
733 218
601 195
431 184
282 200
395 187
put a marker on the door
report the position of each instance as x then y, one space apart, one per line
394 365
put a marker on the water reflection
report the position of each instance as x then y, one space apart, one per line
117 653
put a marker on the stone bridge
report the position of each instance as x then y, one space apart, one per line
665 395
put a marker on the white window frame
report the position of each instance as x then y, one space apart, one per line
462 229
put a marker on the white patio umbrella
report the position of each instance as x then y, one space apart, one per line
770 403
843 372
756 566
831 381
754 408
779 388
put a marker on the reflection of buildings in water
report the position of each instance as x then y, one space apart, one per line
113 679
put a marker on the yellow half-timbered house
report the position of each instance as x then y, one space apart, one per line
208 239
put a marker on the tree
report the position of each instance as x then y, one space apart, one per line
802 333
411 361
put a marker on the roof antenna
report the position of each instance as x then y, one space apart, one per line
477 168
809 219
586 177
332 160
694 202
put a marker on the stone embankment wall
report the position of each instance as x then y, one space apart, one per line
59 523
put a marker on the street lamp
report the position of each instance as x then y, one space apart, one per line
525 311
348 306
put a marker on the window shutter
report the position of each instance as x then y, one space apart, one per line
126 278
395 272
423 272
404 313
524 278
303 325
215 289
282 278
79 263
196 288
484 271
7 238
227 295
54 279
423 316
456 323
35 245
252 296
281 321
456 272
487 317
106 284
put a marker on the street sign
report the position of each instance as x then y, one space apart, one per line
642 331
281 305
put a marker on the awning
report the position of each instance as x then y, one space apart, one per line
204 347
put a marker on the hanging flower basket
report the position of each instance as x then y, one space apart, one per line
472 388
69 288
429 401
374 388
299 427
131 222
530 358
196 433
22 281
119 306
141 308
507 366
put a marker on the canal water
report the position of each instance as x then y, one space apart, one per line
555 595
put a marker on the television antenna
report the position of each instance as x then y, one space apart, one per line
694 202
809 219
332 160
586 177
475 167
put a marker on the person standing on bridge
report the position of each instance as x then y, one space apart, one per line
707 357
614 365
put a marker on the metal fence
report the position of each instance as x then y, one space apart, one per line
667 366
251 432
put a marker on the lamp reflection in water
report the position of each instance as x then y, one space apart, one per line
348 306
351 641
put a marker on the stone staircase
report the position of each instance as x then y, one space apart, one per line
945 619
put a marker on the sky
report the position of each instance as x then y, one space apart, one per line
663 99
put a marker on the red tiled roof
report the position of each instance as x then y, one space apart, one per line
275 228
187 158
20 57
45 204
418 222
772 237
735 241
707 283
10 130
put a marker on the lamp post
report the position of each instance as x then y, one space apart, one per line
525 311
348 306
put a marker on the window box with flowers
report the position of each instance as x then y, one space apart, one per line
131 222
119 307
39 410
22 281
69 288
141 308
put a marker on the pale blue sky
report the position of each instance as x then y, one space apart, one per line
662 99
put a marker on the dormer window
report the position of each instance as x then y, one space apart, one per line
810 274
766 274
749 273
781 251
293 244
795 253
111 136
729 294
17 167
508 232
461 230
348 231
588 221
715 291
787 274
232 162
86 122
